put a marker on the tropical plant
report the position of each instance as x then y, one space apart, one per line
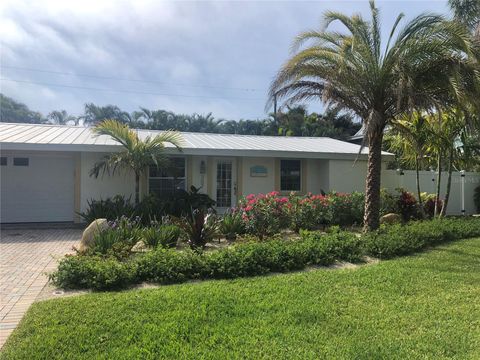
232 224
165 235
201 227
110 209
137 154
355 72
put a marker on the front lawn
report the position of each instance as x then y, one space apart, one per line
423 306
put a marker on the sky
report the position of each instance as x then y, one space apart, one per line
186 57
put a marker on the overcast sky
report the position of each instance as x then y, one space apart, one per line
185 57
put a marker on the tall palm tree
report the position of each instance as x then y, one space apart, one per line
355 71
468 13
137 154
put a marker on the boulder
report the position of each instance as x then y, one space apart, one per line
95 227
390 218
140 246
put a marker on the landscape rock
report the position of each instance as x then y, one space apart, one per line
140 246
88 235
391 218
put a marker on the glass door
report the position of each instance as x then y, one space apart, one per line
225 184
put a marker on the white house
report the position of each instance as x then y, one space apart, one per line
45 169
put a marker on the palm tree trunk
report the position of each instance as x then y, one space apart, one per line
419 193
449 183
372 189
137 188
439 178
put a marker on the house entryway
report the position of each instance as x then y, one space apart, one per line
225 191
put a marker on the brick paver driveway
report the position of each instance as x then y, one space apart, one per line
25 257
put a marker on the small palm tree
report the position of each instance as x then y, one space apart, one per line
354 71
137 154
409 137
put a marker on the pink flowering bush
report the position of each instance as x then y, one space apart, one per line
346 208
264 215
308 212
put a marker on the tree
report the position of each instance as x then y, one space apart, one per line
61 117
95 114
137 154
16 112
354 71
467 12
408 138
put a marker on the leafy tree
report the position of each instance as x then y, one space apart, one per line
354 71
16 112
137 154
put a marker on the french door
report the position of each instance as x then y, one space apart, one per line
225 183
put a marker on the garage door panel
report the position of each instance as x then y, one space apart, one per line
43 191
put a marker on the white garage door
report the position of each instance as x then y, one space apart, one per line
36 188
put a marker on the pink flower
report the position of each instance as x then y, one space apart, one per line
250 197
273 193
248 208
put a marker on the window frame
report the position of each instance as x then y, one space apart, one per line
300 176
3 161
173 178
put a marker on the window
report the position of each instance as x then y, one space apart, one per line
166 181
290 172
20 161
3 161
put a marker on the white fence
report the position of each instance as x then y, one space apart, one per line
391 180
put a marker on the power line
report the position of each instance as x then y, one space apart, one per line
128 91
127 79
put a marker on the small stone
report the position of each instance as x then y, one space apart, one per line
140 246
391 218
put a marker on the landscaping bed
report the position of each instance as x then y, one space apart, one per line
120 269
417 307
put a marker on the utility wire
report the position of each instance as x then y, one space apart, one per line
127 79
128 91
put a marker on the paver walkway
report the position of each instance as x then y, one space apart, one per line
25 257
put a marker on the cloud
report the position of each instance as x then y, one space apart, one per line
212 50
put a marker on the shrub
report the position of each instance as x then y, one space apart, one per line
347 209
151 208
93 272
476 198
429 204
110 209
200 227
264 215
232 225
161 235
309 212
407 205
398 240
388 203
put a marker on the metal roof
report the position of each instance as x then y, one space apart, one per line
77 138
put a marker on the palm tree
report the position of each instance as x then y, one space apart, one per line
408 137
61 117
137 154
467 12
354 71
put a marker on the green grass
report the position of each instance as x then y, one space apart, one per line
425 307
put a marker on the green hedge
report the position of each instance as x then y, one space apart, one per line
256 258
399 240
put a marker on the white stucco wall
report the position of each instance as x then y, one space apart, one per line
104 186
317 176
347 175
256 185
